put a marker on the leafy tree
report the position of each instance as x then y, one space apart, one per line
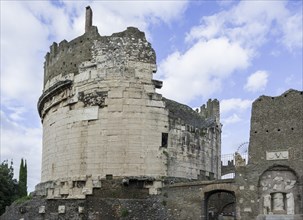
8 185
22 185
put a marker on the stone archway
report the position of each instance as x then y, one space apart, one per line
220 205
219 201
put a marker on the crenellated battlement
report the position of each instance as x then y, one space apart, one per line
211 110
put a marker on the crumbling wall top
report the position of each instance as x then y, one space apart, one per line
67 57
276 128
211 110
187 114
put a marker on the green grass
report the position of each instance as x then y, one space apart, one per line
124 212
23 199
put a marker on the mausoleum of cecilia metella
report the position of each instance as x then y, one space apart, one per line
115 148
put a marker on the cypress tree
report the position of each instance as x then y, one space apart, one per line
22 179
25 170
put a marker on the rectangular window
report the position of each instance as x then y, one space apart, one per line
164 140
109 176
79 184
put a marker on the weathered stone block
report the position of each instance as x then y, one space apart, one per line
81 77
149 88
41 209
115 93
157 104
87 191
61 209
133 94
115 108
247 209
80 209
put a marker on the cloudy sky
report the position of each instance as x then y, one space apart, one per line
230 50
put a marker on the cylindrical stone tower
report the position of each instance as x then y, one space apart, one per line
100 113
102 119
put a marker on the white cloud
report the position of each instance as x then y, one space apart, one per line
165 11
225 3
234 118
234 113
251 23
17 113
293 31
115 16
234 104
26 38
256 81
243 28
21 67
18 141
200 70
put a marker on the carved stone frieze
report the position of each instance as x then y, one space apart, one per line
93 99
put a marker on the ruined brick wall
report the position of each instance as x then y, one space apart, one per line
277 125
275 157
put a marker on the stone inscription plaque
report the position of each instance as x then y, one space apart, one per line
277 155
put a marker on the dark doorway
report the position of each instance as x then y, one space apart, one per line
220 205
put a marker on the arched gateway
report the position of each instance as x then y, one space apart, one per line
219 202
